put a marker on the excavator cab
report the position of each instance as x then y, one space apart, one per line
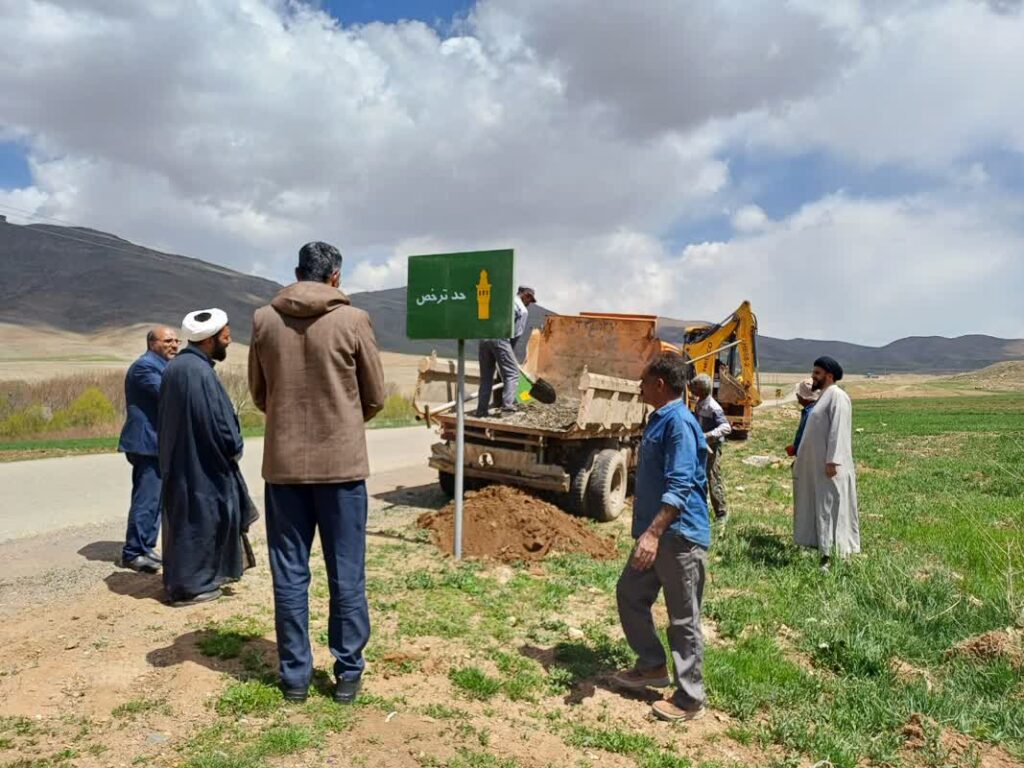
727 352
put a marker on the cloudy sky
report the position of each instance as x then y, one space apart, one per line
855 168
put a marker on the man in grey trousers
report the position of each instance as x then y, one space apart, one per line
500 354
673 533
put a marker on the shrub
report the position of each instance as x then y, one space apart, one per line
89 409
24 423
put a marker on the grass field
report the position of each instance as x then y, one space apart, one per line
488 666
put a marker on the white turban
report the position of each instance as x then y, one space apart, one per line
203 323
805 390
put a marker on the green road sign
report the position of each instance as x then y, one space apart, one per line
460 296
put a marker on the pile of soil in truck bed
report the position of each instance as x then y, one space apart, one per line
509 524
556 417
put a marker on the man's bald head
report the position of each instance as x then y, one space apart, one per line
163 340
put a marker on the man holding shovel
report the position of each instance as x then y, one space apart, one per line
500 355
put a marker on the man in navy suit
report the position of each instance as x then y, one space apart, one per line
138 443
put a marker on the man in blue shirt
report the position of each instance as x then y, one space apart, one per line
138 443
673 533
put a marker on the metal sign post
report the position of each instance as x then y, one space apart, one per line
460 446
460 296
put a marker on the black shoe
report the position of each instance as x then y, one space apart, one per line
142 564
345 691
295 695
508 411
202 597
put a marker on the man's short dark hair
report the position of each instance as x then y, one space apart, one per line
150 338
670 368
318 261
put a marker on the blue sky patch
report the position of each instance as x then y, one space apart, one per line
782 183
437 13
14 170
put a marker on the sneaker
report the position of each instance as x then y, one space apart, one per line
142 564
669 712
636 679
202 597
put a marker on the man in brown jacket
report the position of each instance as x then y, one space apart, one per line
315 371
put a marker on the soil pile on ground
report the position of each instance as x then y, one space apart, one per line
923 737
508 524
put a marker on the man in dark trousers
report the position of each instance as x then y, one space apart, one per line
138 444
673 533
206 506
500 355
314 369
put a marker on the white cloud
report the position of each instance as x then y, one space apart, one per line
870 270
235 131
750 218
937 82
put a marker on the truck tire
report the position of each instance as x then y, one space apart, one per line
606 488
447 482
578 490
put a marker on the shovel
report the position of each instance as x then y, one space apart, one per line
539 389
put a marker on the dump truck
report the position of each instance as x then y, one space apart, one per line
583 448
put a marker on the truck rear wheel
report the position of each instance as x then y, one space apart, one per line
578 487
606 488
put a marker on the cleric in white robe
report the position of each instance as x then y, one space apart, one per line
824 477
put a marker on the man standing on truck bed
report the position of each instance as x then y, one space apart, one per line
673 533
716 428
500 354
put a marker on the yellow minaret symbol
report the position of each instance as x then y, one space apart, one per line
483 297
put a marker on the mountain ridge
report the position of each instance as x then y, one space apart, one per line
95 280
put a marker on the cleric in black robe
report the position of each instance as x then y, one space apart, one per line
205 504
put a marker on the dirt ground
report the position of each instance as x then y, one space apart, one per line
80 649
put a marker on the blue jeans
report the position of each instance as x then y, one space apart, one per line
294 513
144 512
497 354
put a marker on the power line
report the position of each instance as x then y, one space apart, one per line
63 222
91 242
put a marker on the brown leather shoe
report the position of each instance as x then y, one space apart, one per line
636 679
666 710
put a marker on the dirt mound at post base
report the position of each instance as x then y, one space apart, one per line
508 524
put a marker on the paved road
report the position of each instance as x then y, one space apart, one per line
51 494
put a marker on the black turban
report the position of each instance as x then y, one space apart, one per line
830 365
